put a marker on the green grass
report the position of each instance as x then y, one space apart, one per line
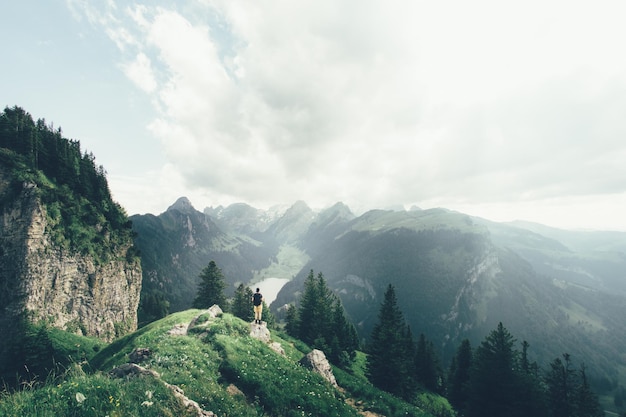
74 348
217 364
78 394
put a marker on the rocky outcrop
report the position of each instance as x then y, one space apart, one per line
317 362
67 290
260 331
131 370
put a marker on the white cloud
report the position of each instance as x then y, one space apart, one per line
140 72
378 103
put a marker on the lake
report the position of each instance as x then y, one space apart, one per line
269 288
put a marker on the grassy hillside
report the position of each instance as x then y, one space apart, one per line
218 365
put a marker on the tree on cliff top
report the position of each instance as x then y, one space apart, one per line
210 288
81 212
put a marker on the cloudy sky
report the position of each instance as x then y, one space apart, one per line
505 110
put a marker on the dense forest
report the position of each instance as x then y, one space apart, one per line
83 215
495 379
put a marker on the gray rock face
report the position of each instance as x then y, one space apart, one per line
260 331
316 361
66 290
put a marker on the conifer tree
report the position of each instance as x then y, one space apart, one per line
531 396
561 385
346 340
268 317
587 404
459 377
241 306
427 365
320 321
494 379
389 361
153 306
308 311
291 320
210 288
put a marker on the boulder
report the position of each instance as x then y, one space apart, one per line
139 355
260 331
215 311
317 362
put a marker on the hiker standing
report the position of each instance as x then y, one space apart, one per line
257 302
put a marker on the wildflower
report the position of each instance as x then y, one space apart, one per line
147 403
80 397
149 394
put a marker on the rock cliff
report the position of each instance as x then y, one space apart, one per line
49 284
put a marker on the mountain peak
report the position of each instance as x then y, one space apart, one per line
299 207
183 205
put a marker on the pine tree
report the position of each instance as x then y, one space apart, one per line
389 362
459 377
320 322
587 404
210 288
291 320
344 340
561 381
153 306
308 323
427 365
241 305
494 378
531 397
268 317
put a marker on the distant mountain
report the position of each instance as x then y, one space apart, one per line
241 218
456 276
594 260
176 245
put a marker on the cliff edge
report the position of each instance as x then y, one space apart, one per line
46 282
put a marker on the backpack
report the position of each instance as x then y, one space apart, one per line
256 299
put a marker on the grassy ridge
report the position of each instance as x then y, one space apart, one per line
219 366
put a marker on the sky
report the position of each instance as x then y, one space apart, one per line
499 109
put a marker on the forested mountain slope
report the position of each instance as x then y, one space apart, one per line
66 252
456 276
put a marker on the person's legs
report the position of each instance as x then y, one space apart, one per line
258 310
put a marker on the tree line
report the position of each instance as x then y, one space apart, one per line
80 209
495 379
319 320
211 285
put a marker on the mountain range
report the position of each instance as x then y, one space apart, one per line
74 268
456 276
